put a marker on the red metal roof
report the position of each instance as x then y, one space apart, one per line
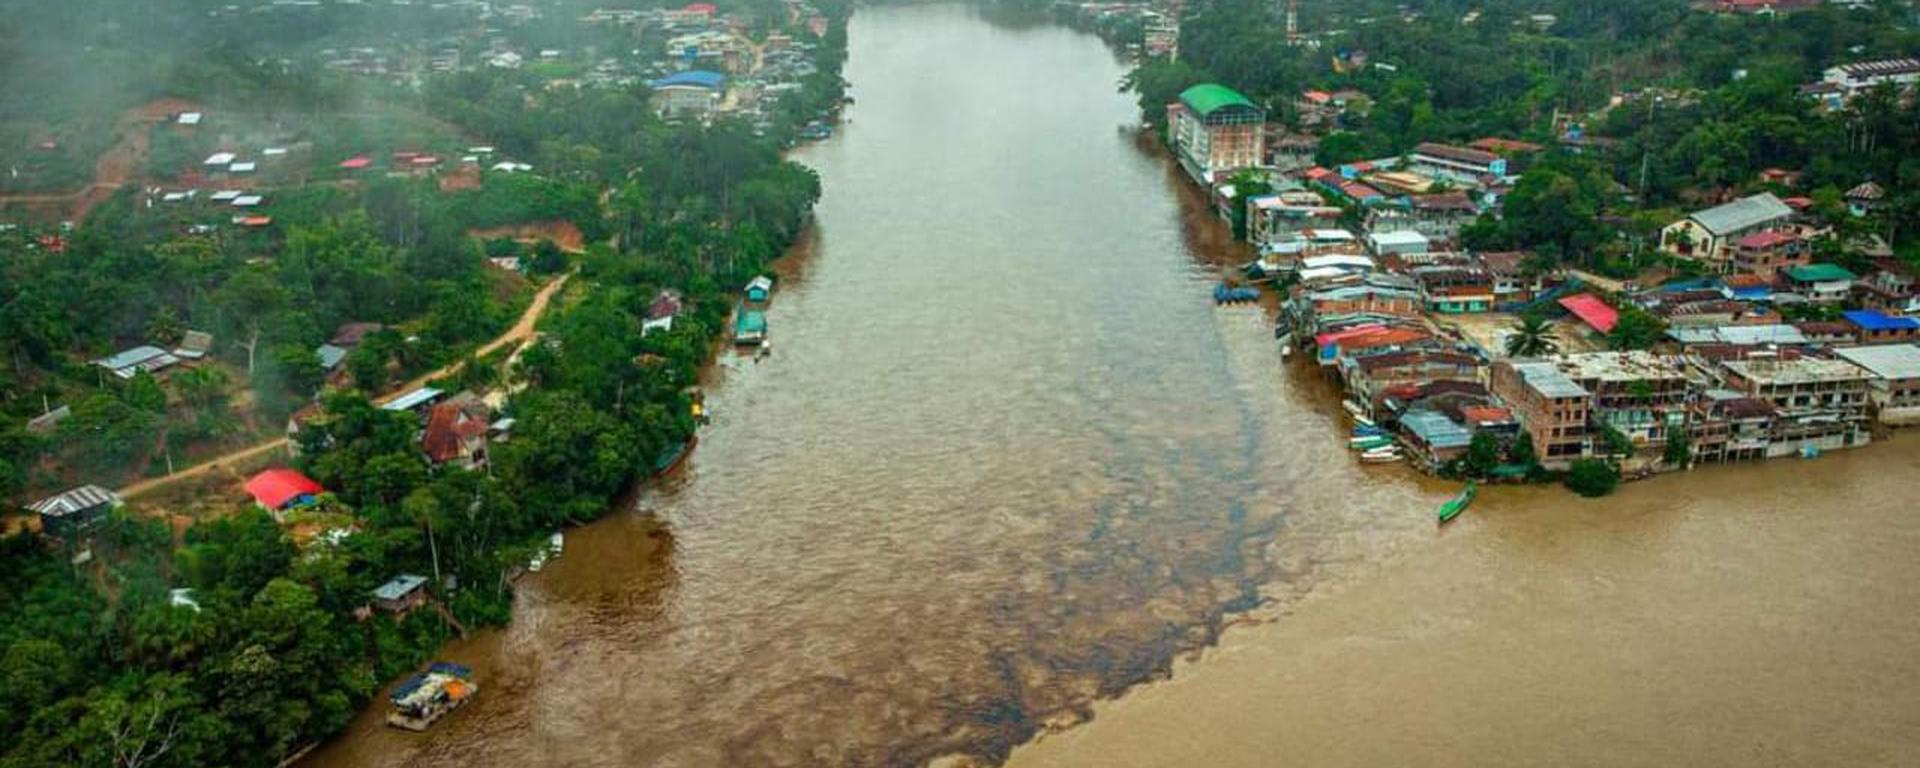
448 429
278 487
1592 311
1768 239
356 162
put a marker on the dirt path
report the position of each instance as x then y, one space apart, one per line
118 165
521 332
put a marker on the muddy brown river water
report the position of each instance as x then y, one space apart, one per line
1009 460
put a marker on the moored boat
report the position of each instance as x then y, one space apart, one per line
427 696
675 456
1369 442
750 327
1381 456
1357 412
1454 506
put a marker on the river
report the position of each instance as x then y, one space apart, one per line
1008 460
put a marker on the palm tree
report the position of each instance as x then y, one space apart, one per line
1532 337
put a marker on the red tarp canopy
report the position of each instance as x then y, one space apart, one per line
356 162
276 488
1592 311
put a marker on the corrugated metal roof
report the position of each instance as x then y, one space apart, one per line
399 586
1874 320
1743 213
1547 379
1435 429
411 400
1819 273
1207 98
131 357
1740 335
74 500
330 356
1887 361
697 78
1592 311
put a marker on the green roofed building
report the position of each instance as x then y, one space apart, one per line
1821 283
1215 131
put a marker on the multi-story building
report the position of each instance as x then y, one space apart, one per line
1639 393
1859 76
1820 404
1455 289
1371 299
1821 283
1369 377
1216 131
1894 389
1514 281
1552 408
1457 164
1276 217
1871 326
1770 252
1724 425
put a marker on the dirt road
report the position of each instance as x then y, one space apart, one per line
520 333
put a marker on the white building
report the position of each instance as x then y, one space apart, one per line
1859 76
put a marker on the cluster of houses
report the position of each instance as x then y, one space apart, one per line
712 67
70 515
1413 326
1732 377
1747 387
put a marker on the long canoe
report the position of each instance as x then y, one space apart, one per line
1458 504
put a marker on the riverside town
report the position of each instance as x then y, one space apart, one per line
394 383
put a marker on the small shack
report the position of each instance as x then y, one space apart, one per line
401 594
760 289
74 510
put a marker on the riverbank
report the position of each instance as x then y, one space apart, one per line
1724 617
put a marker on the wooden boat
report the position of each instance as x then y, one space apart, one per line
1367 430
1354 410
675 456
1454 506
1381 456
1370 442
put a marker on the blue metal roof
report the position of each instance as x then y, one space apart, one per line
698 78
1435 429
412 400
1879 321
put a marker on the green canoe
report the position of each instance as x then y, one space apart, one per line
1457 504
